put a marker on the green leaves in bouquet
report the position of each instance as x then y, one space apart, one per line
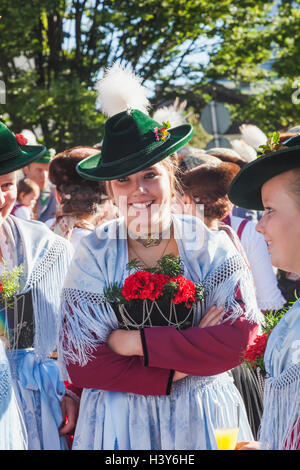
169 265
10 282
170 290
274 316
113 293
200 292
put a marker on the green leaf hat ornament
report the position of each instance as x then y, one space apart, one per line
132 141
14 151
245 189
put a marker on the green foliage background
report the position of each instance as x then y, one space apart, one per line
186 48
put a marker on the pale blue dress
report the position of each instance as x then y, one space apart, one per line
36 380
13 435
280 427
185 418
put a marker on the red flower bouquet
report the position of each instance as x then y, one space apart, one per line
253 357
159 296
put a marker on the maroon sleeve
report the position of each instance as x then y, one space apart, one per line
116 373
198 351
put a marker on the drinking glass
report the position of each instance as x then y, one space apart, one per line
226 433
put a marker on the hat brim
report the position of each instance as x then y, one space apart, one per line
28 154
92 169
245 188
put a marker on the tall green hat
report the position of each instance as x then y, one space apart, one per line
14 153
132 142
245 189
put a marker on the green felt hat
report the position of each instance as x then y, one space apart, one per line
45 158
132 142
14 153
245 189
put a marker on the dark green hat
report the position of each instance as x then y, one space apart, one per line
14 153
245 189
132 142
45 158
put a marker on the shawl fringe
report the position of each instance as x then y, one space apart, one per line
280 426
86 321
87 318
221 284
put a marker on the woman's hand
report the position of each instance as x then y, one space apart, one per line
248 445
69 409
212 317
179 375
126 343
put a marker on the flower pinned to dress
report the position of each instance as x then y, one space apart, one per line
162 133
253 357
21 139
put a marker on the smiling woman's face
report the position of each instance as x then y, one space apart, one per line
144 199
280 224
8 194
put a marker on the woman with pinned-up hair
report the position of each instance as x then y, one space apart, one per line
152 382
82 204
208 184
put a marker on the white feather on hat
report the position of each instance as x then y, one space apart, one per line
173 113
121 90
29 135
252 135
243 149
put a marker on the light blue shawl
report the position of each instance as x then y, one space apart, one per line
39 389
208 257
280 427
183 420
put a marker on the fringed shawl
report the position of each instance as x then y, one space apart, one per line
46 258
207 257
280 426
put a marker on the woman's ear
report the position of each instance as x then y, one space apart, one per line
20 197
189 204
187 199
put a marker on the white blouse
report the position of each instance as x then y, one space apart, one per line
268 293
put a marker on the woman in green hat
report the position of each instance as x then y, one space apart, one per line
151 388
272 183
33 262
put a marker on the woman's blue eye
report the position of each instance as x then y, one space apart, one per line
268 210
150 175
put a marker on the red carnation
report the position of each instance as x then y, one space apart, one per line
144 285
21 139
255 352
1 287
186 291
